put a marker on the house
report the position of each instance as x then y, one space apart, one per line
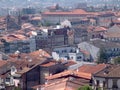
71 79
23 76
95 46
13 23
96 32
18 42
67 53
112 34
80 33
91 68
4 72
50 68
25 70
89 48
105 19
67 80
54 37
108 78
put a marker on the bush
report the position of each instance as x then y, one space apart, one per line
86 87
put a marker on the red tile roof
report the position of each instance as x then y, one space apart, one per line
41 53
73 12
48 64
68 63
63 84
70 72
92 68
112 71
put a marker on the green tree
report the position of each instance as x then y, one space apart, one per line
103 57
116 60
86 87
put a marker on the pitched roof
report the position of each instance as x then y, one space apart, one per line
98 29
14 37
74 12
48 64
69 83
91 69
41 53
70 73
112 71
70 63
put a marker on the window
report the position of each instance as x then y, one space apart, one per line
57 51
79 57
114 83
7 79
65 51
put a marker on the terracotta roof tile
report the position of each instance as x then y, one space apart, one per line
70 72
92 68
41 53
73 12
68 63
13 37
63 84
110 71
48 64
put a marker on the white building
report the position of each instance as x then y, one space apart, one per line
67 53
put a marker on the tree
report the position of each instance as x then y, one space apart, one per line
116 60
103 57
86 87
